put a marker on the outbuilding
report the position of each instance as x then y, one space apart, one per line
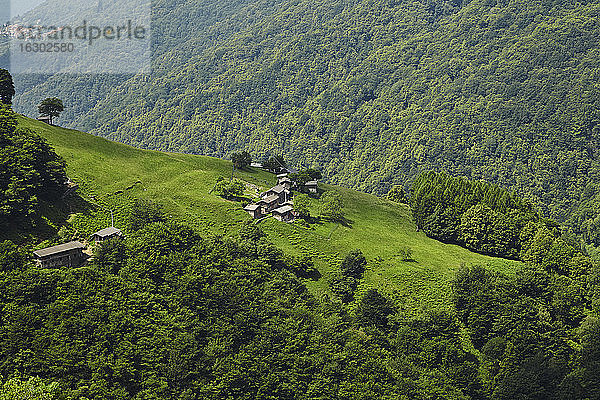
255 210
45 118
64 255
284 214
106 234
269 203
312 186
280 191
286 182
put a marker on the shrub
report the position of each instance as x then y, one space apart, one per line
354 264
406 254
374 309
343 286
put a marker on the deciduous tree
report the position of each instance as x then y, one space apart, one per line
51 107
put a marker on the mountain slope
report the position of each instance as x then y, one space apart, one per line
372 91
111 175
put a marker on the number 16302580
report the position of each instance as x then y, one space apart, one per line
47 47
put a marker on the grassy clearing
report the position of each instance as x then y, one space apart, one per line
381 229
112 174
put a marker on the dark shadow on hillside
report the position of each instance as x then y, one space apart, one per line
346 222
51 215
313 220
313 274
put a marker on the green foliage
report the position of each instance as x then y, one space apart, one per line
354 264
144 212
111 255
31 173
302 205
477 294
374 309
397 195
501 91
433 343
585 220
30 389
478 215
406 254
187 315
306 175
332 206
229 189
181 185
274 163
241 160
7 87
590 331
51 107
343 286
532 329
304 267
11 256
167 314
487 231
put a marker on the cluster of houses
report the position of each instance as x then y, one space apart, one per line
278 201
72 254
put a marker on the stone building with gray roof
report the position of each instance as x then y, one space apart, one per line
64 255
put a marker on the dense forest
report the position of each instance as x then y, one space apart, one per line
371 91
480 216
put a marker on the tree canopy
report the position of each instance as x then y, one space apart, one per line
241 160
51 107
478 215
30 173
7 87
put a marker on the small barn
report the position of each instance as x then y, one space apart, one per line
284 214
255 210
64 255
312 186
45 118
106 234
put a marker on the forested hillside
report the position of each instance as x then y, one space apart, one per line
372 91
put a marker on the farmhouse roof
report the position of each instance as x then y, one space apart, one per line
311 183
277 189
270 199
252 207
61 248
106 232
283 210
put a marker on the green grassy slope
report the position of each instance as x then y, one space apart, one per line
112 174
